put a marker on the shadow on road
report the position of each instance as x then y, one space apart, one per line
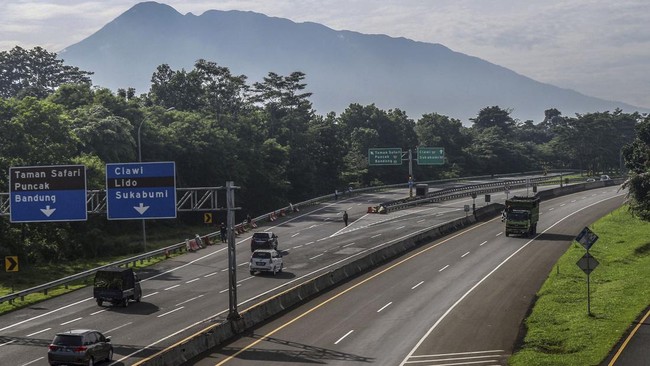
292 352
555 237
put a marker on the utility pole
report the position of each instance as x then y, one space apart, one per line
232 264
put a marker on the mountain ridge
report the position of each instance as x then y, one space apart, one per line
341 67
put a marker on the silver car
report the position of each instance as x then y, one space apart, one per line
79 347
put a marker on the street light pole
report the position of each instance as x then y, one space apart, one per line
144 226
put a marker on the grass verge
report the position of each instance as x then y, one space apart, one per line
31 276
559 329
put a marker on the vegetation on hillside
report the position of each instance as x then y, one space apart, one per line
264 136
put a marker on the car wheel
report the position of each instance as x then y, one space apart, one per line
281 266
99 302
274 270
109 358
137 299
252 273
91 361
125 303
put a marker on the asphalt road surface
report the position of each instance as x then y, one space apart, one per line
457 301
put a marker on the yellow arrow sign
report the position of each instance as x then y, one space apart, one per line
11 263
207 218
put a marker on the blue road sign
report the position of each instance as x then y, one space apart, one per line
141 191
47 193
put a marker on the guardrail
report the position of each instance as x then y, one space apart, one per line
180 246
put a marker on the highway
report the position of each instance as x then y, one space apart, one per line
189 292
457 301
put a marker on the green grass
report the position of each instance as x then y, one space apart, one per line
31 276
559 329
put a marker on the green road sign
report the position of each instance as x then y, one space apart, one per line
385 156
431 155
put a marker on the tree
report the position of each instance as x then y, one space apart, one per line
637 160
36 73
494 117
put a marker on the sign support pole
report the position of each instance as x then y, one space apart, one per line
232 265
588 289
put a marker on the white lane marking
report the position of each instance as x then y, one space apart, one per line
226 290
255 297
31 362
443 268
151 294
463 256
482 243
346 334
316 256
40 331
294 235
562 204
169 288
245 279
418 284
384 307
551 209
499 234
420 221
297 246
4 344
98 312
459 353
375 236
401 227
347 245
452 307
223 270
242 264
190 281
188 300
70 321
310 243
171 311
321 239
116 328
212 274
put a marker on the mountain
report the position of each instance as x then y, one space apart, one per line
341 67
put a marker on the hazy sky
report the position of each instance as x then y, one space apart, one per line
597 47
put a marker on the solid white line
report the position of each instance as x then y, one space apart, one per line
384 307
169 288
482 243
316 256
169 312
463 256
70 321
151 294
346 334
443 268
419 283
116 328
188 300
452 307
31 362
459 353
491 362
190 281
347 245
40 331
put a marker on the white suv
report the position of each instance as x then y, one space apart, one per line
266 260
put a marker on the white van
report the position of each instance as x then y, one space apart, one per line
605 177
266 260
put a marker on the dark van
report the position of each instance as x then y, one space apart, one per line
264 240
117 286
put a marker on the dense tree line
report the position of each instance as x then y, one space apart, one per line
264 136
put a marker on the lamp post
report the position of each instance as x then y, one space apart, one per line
144 226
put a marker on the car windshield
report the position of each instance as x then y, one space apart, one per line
67 340
262 255
518 215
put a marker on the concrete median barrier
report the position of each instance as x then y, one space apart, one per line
217 334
